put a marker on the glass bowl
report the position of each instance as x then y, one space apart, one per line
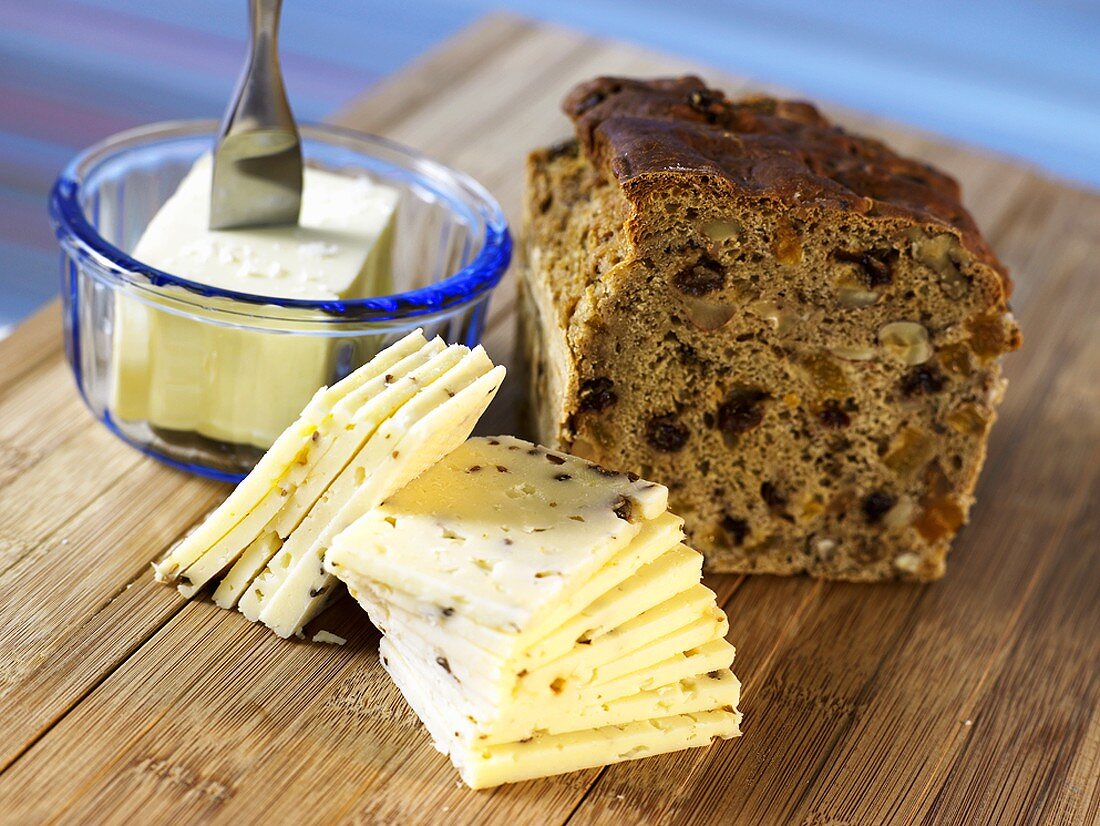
204 378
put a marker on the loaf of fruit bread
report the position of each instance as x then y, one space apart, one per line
793 327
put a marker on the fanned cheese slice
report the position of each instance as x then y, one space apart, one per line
654 539
245 569
713 655
528 597
355 444
700 691
285 463
617 663
337 495
295 586
361 411
355 418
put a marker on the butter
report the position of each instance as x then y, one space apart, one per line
540 614
187 374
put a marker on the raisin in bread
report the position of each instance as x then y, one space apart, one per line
793 327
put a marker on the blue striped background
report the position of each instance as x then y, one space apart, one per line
1018 76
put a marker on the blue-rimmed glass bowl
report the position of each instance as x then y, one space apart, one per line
204 378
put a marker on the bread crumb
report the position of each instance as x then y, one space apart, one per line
329 637
908 562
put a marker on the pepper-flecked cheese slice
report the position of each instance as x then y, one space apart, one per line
355 418
365 419
653 539
361 411
541 523
295 586
602 670
675 572
309 585
699 691
469 364
281 460
528 611
546 754
245 569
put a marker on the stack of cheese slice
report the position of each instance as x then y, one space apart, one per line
353 445
541 614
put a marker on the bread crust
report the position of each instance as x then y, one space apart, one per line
637 131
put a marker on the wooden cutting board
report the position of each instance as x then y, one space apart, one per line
972 700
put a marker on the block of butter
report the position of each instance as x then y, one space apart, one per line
184 373
353 445
541 614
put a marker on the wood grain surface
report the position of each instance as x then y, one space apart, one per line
972 700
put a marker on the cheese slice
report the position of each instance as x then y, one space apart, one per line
355 444
544 521
361 413
655 537
309 585
627 658
673 573
547 754
295 586
555 754
336 495
286 462
710 656
472 365
246 568
526 596
563 689
694 693
615 655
